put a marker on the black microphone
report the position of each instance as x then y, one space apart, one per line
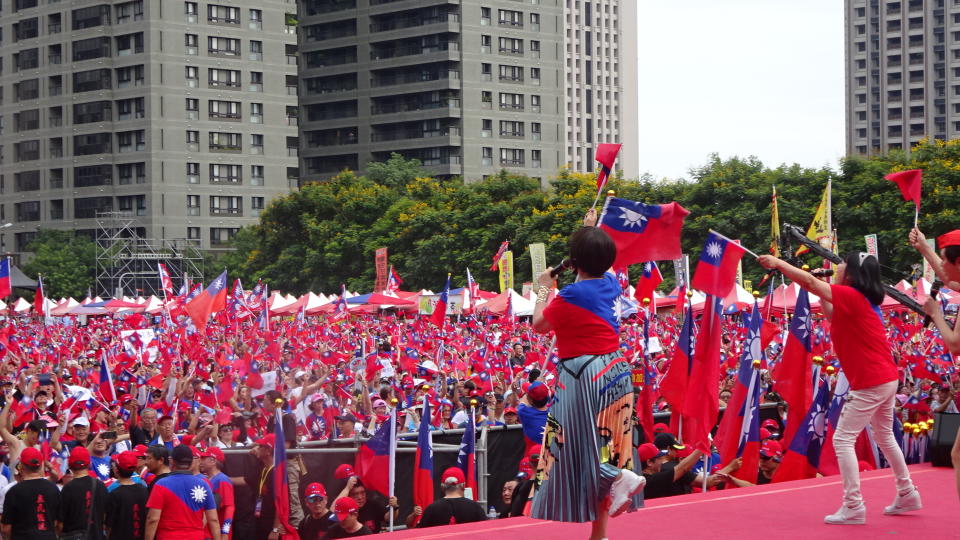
822 272
934 291
564 264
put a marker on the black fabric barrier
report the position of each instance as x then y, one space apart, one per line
945 428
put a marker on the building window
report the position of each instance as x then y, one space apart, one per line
191 74
256 143
193 233
226 110
486 156
221 46
256 19
193 173
486 129
486 72
256 205
510 18
226 174
486 43
256 175
193 141
511 129
535 159
193 205
220 236
192 108
511 157
223 14
191 43
256 113
256 50
256 81
190 11
485 16
220 141
486 99
223 78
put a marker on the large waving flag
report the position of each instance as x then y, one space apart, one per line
471 294
467 457
739 434
802 457
5 287
606 154
649 280
439 315
504 246
423 469
38 303
702 404
210 301
673 386
373 459
821 228
281 487
716 271
643 232
792 375
165 282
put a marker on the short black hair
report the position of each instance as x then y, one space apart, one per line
864 276
592 251
159 451
951 254
121 472
37 426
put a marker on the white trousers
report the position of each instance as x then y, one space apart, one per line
872 405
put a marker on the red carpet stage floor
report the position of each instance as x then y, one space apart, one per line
787 510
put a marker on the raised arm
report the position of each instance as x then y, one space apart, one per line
804 279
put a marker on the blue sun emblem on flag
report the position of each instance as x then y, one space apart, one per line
198 494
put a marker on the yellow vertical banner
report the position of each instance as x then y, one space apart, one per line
506 271
538 258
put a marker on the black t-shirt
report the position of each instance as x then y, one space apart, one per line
314 528
684 485
31 508
521 494
453 510
658 484
153 482
371 514
127 512
337 531
268 509
140 436
762 478
76 501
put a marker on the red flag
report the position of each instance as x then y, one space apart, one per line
439 315
643 232
281 487
909 183
792 376
673 386
606 154
423 462
38 298
373 459
716 271
496 257
211 300
649 280
5 288
701 404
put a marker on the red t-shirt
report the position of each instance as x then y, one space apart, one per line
860 339
584 317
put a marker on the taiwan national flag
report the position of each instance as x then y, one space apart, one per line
211 300
802 458
38 304
423 471
281 487
792 374
739 434
716 271
5 288
673 386
373 459
643 232
701 404
649 280
439 315
467 457
606 154
106 389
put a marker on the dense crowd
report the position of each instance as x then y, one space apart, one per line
118 424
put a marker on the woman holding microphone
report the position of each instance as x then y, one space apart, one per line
585 470
860 341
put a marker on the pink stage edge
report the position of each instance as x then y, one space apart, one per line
787 510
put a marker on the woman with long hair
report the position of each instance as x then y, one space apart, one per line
585 468
860 341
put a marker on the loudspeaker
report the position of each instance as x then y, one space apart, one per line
945 426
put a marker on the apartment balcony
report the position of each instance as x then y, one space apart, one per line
231 212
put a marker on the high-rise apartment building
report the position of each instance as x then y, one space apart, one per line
902 73
469 87
182 114
601 81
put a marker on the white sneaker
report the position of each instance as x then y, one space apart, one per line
848 516
623 488
904 503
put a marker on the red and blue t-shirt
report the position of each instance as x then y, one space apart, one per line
584 317
182 499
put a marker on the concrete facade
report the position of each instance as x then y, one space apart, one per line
902 73
182 113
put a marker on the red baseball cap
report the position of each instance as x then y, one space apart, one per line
213 452
764 434
267 440
510 410
125 398
660 427
344 506
32 457
771 425
951 238
525 467
771 449
140 450
79 457
126 460
453 475
197 454
538 391
315 489
648 451
344 471
534 451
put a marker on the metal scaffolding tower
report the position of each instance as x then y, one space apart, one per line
127 263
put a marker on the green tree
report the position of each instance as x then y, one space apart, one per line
66 261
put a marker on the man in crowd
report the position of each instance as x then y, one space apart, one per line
770 455
210 462
180 502
660 480
147 430
319 518
83 500
453 507
126 508
31 507
533 410
348 523
157 463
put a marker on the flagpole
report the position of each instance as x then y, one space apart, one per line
729 240
393 458
916 216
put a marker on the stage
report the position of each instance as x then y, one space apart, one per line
787 510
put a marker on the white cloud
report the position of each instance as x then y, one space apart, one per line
740 77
